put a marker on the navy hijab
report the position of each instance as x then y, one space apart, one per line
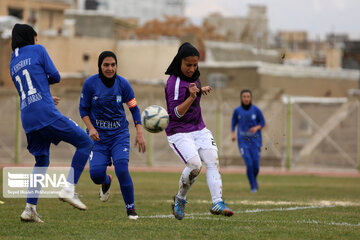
185 50
246 107
109 82
22 35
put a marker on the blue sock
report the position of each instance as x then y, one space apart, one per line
98 175
41 161
128 195
251 177
84 146
126 184
78 163
107 180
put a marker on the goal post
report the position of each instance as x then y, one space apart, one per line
322 132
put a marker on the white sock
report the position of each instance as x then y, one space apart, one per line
213 177
29 205
70 187
214 182
189 176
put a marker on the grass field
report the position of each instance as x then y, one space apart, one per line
286 207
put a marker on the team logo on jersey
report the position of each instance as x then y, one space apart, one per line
253 116
81 95
213 142
241 151
95 98
118 99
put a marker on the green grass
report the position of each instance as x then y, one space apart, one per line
286 207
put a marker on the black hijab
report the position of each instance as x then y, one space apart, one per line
185 50
246 107
22 35
109 82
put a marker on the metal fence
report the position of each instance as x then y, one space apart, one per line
298 133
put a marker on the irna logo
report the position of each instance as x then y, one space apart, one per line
43 182
18 180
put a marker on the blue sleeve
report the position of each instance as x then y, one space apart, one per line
261 118
85 100
49 67
234 120
129 99
127 91
135 112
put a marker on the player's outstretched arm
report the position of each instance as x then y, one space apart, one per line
93 134
139 140
205 90
56 99
184 107
233 136
255 129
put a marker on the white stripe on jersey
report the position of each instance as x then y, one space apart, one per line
16 52
177 113
177 84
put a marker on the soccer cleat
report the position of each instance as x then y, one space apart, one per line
66 195
221 208
105 191
132 214
30 215
178 208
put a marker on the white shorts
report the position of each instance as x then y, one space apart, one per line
187 145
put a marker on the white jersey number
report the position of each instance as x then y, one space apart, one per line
31 90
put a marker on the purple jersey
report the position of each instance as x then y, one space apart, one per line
176 92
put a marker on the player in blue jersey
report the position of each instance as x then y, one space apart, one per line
32 71
249 120
187 135
101 108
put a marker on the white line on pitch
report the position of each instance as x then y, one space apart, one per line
274 203
198 216
244 211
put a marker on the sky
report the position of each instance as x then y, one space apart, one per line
317 17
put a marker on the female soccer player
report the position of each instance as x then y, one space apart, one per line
101 108
188 137
250 121
32 71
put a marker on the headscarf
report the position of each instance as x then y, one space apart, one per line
246 107
22 35
185 50
109 82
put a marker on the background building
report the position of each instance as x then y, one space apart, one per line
51 12
143 10
251 29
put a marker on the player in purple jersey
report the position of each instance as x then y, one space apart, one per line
249 120
101 108
32 71
187 135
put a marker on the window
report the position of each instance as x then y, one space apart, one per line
16 12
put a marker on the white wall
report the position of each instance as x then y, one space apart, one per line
145 60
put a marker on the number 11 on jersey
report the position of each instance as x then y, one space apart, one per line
31 90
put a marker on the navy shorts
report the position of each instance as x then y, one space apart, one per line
63 129
105 153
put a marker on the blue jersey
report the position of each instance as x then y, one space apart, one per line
246 119
32 71
104 106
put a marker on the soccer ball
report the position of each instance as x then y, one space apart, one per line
155 118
